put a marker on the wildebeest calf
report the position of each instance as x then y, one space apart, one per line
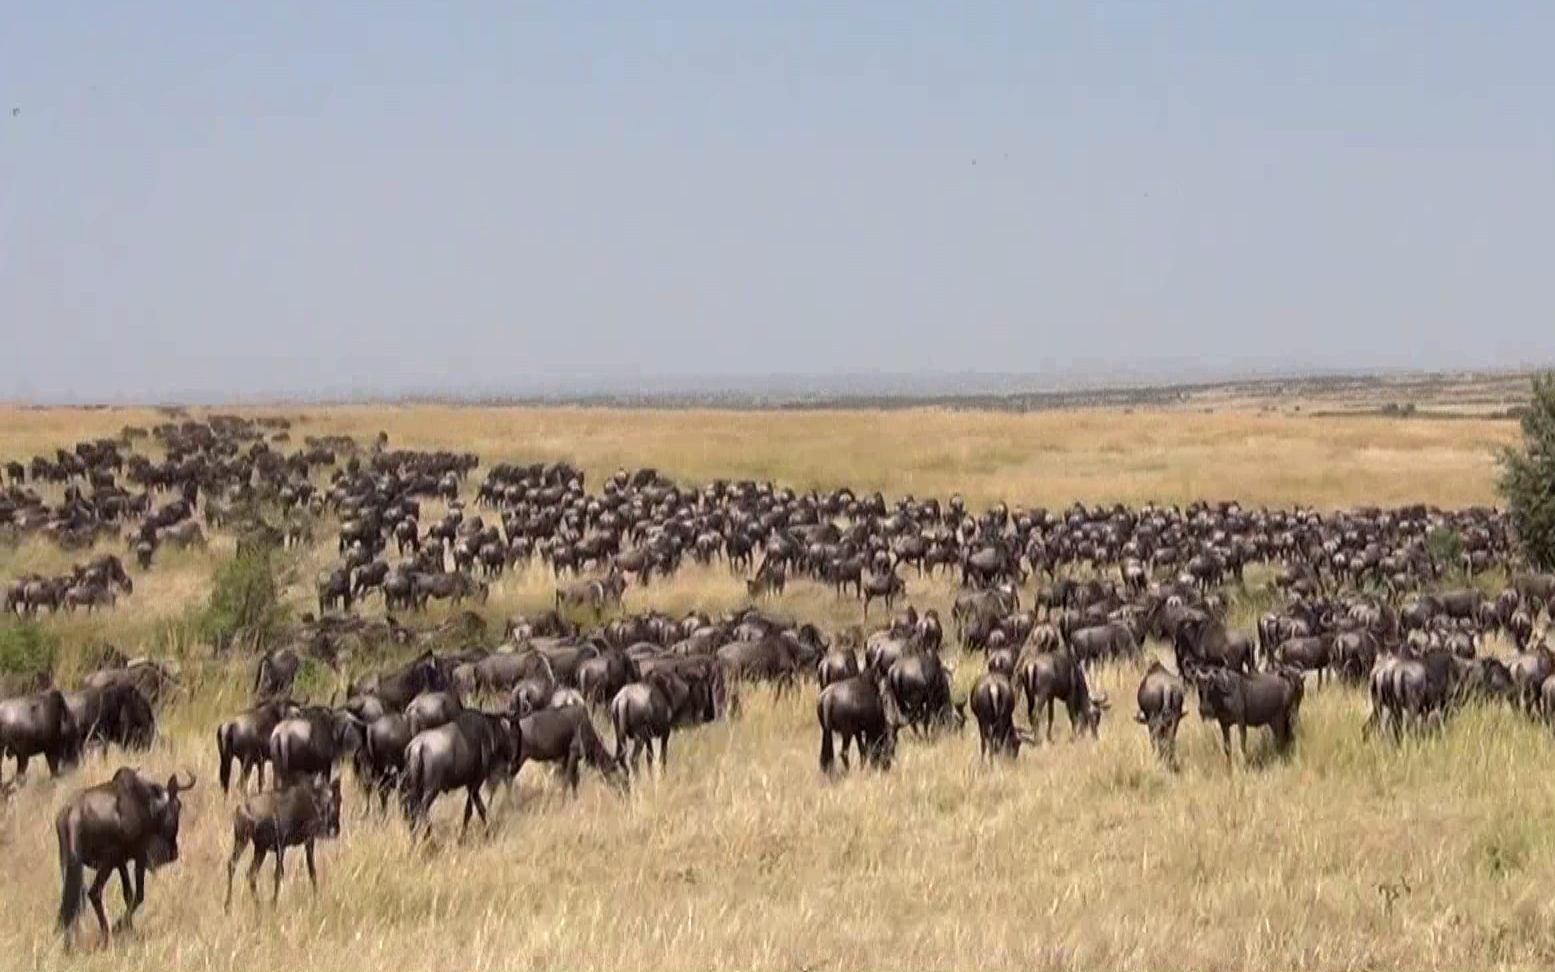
278 819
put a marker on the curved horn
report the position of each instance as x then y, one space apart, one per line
178 787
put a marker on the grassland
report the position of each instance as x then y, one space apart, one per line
1351 854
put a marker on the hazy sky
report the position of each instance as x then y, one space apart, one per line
221 198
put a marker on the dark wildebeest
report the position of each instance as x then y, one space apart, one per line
836 665
1104 642
565 736
1050 676
398 687
335 588
40 724
1160 699
118 715
273 821
432 709
474 749
993 703
311 742
861 711
1200 639
380 762
885 586
1271 699
1306 654
154 681
246 739
276 672
127 820
920 685
642 712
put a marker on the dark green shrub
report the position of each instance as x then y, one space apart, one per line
1528 477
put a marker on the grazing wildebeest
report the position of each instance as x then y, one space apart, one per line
275 673
118 714
566 736
1271 699
246 739
1103 642
39 725
474 749
1050 676
153 680
993 704
273 821
861 711
129 820
1160 699
920 685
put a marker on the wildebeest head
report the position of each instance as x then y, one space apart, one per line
166 807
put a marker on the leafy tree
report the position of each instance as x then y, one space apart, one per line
1528 476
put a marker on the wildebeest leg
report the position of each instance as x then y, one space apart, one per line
94 894
21 768
313 872
238 847
1241 728
280 870
1048 704
664 752
1225 740
130 902
253 869
474 803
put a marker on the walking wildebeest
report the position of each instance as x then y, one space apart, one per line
39 724
246 739
278 819
108 827
566 736
470 751
860 710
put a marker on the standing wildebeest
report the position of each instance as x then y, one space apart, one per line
127 820
1051 676
246 739
836 665
398 687
1160 699
920 685
312 742
1271 699
380 763
885 586
565 735
273 821
335 588
40 724
472 750
642 712
432 709
993 703
861 711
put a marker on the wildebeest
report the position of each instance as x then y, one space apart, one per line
380 763
1050 676
470 751
39 725
312 741
275 673
129 820
277 819
565 736
861 711
1271 699
1160 699
398 687
920 685
641 713
993 704
118 714
246 739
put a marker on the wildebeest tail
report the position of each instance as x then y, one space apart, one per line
411 783
69 872
224 756
828 756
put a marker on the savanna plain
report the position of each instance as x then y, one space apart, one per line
1352 853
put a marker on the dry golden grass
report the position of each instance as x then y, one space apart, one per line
1351 854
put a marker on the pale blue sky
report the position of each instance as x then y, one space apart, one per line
209 199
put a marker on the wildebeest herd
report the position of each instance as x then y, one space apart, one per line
1397 602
